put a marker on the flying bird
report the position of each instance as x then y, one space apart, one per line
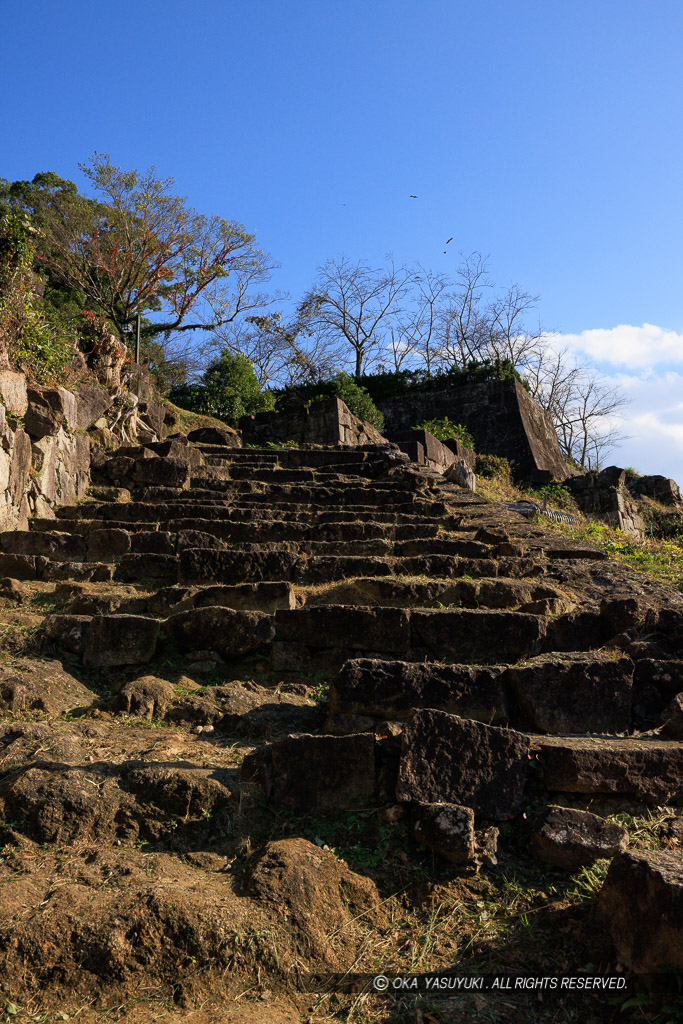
450 239
412 197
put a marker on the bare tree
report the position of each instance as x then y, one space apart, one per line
509 336
423 327
585 407
354 303
282 354
465 321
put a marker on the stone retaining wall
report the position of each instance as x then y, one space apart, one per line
500 415
328 421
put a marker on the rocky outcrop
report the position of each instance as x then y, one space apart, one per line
46 438
625 502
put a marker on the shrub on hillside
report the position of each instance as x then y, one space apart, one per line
491 466
31 338
444 430
354 397
229 390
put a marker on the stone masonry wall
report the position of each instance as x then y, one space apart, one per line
501 416
328 421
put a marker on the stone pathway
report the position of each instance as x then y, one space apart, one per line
476 663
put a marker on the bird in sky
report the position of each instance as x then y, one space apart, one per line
450 239
412 197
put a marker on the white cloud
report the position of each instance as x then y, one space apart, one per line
654 422
626 345
647 363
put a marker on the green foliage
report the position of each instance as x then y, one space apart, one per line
354 397
228 391
556 495
34 339
492 466
387 385
342 386
136 247
444 430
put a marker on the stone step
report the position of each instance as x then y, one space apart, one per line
108 641
484 593
444 546
320 569
407 505
155 512
51 544
461 636
204 565
262 597
83 527
564 694
268 474
298 456
649 770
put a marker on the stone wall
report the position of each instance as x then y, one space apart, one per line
501 416
610 497
425 449
328 421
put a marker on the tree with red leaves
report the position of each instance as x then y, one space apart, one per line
139 248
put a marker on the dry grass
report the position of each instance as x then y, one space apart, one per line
661 560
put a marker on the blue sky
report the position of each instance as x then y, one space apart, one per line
546 133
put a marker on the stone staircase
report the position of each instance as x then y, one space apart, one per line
473 659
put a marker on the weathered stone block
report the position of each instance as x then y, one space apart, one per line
69 631
22 567
20 468
105 545
230 633
655 684
13 392
641 906
215 435
574 693
477 636
164 472
671 722
445 759
651 770
48 409
321 772
120 640
447 829
340 626
570 839
133 568
393 689
175 450
91 403
200 565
